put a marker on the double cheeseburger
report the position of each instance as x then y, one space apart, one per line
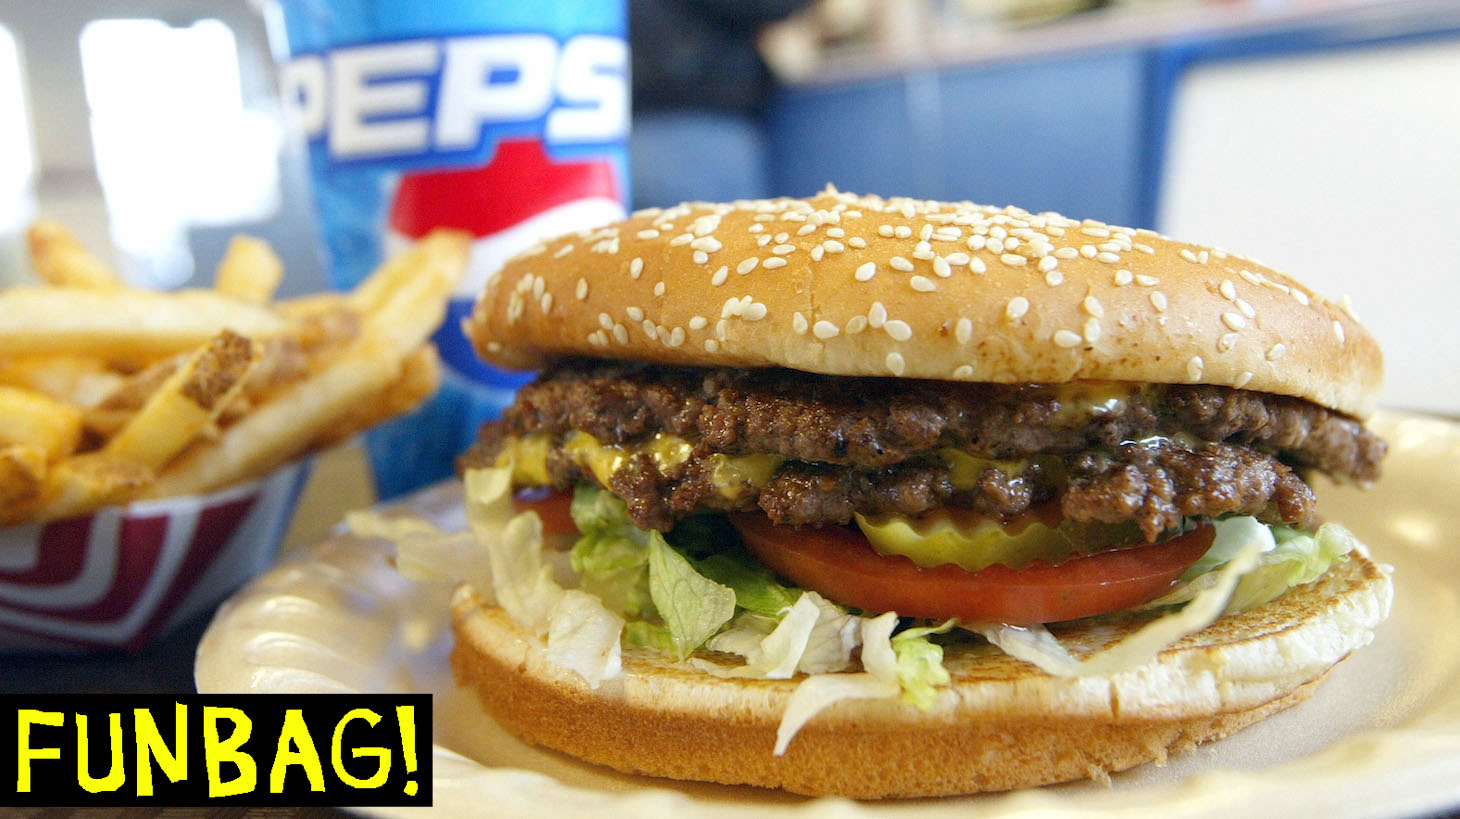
1069 458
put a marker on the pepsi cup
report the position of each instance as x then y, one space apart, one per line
504 119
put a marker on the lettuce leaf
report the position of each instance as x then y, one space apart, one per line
755 588
813 636
691 605
920 664
818 692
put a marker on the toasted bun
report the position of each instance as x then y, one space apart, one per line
1002 724
956 292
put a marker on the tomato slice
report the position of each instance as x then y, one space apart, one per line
838 562
552 506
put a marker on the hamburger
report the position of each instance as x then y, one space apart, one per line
894 498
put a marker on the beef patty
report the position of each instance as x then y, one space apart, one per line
1105 452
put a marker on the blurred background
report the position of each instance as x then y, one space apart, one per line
1322 137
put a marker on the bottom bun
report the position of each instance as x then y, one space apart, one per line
1002 723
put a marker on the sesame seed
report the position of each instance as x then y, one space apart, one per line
1088 251
648 233
1245 309
621 334
1187 254
977 265
1066 338
1013 260
1226 342
1228 290
711 345
1016 308
659 289
635 313
783 237
757 228
865 272
798 323
1054 278
582 291
963 371
884 230
676 338
1242 379
833 246
636 267
1090 231
963 331
774 262
925 232
877 315
957 259
763 240
899 263
1107 257
648 326
605 321
1093 306
1194 368
1066 253
825 329
1048 263
781 250
730 308
755 312
817 252
922 284
805 229
682 239
1146 249
538 285
1276 352
547 302
1234 320
856 324
1338 331
1202 257
994 244
858 242
708 244
563 251
747 265
701 257
898 329
1158 300
895 363
720 276
1092 330
941 267
1251 277
1110 247
835 232
1122 278
977 242
698 323
1147 281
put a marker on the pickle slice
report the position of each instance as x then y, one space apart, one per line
975 542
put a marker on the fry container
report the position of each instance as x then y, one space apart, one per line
121 576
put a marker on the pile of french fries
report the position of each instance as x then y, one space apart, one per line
110 394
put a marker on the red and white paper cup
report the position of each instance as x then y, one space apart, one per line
119 577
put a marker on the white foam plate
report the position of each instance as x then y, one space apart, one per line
1381 737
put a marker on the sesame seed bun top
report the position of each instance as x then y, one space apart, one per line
859 285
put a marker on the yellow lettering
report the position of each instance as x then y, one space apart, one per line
382 771
150 746
117 774
28 717
296 733
216 752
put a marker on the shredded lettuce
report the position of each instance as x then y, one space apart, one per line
818 692
755 588
583 637
813 636
1293 558
920 664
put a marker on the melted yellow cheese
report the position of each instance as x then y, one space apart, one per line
1083 399
729 473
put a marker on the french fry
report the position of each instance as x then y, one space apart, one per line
123 325
419 377
60 259
425 266
115 410
75 379
186 403
250 271
35 420
413 309
81 483
282 428
22 474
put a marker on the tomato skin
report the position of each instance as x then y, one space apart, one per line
839 563
552 506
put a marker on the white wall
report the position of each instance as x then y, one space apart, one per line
1343 170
